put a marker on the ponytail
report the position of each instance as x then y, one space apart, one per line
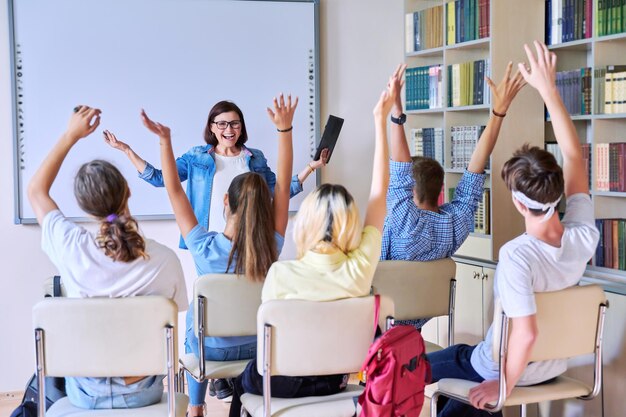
254 245
120 239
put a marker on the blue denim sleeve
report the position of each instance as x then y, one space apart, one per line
154 176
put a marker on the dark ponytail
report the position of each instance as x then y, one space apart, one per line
102 191
254 244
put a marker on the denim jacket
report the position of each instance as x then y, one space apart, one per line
198 167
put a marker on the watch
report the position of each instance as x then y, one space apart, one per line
399 120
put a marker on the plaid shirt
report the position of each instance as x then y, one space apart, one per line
420 235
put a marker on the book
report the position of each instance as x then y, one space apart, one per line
329 137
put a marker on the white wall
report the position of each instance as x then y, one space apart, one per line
361 42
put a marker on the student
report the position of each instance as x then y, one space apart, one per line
210 169
336 259
116 262
550 256
416 227
251 241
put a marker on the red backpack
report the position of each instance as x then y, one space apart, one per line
396 370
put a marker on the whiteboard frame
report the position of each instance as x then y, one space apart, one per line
17 206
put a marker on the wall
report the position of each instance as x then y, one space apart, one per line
361 42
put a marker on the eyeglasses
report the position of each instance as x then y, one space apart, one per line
222 124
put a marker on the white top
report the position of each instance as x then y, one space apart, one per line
528 265
87 272
226 168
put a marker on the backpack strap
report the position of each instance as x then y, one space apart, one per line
56 286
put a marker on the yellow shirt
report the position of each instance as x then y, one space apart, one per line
325 277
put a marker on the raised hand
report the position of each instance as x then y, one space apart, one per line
398 80
504 93
83 122
282 115
111 140
542 73
387 99
321 161
158 129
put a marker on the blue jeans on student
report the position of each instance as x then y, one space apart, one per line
454 362
197 390
106 393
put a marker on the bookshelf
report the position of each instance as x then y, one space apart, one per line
496 44
598 128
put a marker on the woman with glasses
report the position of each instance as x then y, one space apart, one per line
209 169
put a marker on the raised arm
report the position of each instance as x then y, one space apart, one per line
185 217
503 94
399 148
542 77
136 160
376 206
83 122
282 117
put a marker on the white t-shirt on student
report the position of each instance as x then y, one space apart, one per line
226 168
87 272
528 265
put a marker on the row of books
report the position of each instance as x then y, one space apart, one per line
463 140
428 142
611 250
568 20
575 90
423 29
482 215
423 88
614 97
466 83
610 161
467 20
611 17
555 150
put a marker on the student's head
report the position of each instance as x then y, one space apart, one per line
217 131
328 217
428 177
249 203
102 192
535 173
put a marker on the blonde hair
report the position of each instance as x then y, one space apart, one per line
327 217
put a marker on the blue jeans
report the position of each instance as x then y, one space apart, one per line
197 390
454 362
106 393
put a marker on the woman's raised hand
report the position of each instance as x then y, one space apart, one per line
83 122
282 115
111 140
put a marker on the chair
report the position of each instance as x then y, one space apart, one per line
570 323
225 305
419 290
107 337
313 338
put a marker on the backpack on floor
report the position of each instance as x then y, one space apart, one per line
395 371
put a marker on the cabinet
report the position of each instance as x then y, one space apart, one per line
598 127
524 120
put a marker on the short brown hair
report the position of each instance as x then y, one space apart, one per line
535 173
428 177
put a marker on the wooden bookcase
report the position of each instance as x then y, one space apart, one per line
597 52
512 23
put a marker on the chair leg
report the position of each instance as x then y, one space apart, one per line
522 410
433 404
180 386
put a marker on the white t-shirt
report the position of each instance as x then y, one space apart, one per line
528 265
87 272
226 168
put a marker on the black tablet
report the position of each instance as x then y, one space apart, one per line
329 137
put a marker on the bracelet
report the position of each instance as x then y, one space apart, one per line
310 167
495 113
289 129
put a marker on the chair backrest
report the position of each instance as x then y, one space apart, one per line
105 337
318 338
231 304
568 323
418 289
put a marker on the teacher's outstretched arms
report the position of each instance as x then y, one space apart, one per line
83 122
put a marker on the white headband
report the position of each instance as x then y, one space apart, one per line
532 204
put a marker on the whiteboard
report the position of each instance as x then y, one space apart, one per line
174 58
